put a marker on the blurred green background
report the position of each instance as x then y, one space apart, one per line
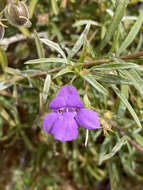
95 45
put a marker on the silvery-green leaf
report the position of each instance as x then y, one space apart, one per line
46 60
127 104
118 15
54 46
95 84
136 79
80 41
114 66
115 149
46 88
39 46
63 71
85 22
4 85
132 34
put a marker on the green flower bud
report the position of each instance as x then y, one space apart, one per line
2 30
17 13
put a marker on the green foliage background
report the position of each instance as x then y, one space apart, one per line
96 45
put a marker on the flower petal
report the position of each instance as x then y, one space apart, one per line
56 103
48 121
65 128
87 119
73 102
71 96
68 90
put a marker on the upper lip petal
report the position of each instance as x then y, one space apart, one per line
66 97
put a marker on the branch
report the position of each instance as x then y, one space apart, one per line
124 57
19 78
137 146
7 41
85 64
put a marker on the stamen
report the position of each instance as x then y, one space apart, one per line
60 111
76 109
67 109
86 138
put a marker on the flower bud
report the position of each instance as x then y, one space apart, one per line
2 30
17 13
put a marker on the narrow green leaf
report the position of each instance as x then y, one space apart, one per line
122 107
127 166
129 18
127 104
56 30
85 22
113 174
113 2
111 78
39 46
94 173
95 84
54 6
62 72
83 52
80 41
46 60
27 141
25 31
115 149
30 71
7 117
10 134
90 48
1 127
114 66
139 45
118 15
110 12
132 34
12 71
31 7
139 139
46 88
134 77
54 46
4 85
3 59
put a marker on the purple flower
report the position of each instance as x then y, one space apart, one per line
68 113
